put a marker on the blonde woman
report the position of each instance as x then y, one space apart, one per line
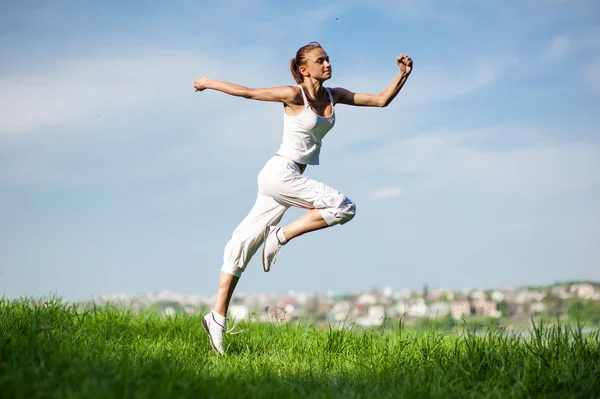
308 115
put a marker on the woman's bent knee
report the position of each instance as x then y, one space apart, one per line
347 211
340 214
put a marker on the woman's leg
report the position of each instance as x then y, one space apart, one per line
310 221
244 242
227 283
326 206
338 209
282 180
248 237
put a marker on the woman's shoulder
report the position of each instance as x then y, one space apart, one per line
340 94
295 94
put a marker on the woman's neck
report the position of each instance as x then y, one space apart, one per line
313 88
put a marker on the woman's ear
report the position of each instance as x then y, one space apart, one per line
303 70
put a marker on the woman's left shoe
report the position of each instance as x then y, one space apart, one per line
271 247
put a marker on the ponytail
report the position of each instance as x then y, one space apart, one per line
295 71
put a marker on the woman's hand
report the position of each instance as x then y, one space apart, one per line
201 83
405 63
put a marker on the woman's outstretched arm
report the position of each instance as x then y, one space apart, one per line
383 99
285 94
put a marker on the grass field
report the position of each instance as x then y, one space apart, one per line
53 351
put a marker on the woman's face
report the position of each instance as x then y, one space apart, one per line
317 65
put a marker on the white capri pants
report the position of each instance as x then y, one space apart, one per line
280 186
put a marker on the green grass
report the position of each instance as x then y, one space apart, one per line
54 351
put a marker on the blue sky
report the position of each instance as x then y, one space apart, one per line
115 177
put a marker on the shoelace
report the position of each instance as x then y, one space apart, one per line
277 249
229 331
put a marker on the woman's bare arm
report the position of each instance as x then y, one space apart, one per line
285 94
383 99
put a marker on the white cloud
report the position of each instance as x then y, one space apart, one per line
75 89
579 44
446 162
79 88
426 85
132 117
435 83
385 193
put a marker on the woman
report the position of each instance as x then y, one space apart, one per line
308 115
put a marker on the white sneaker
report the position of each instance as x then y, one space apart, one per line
271 247
215 332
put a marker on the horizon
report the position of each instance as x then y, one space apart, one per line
464 290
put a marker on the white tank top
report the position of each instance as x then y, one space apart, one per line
303 133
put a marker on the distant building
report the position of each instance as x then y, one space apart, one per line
536 307
341 310
401 307
478 295
584 291
439 309
561 291
437 294
485 308
367 299
376 312
497 296
402 294
374 317
460 307
418 308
